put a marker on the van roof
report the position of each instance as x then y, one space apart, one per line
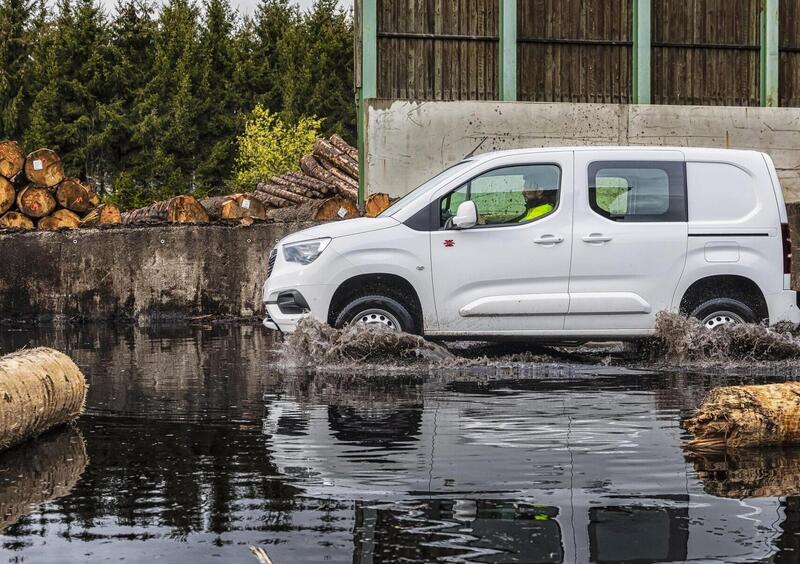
689 152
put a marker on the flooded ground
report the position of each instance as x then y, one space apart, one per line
196 445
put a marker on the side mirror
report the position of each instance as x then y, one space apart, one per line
466 216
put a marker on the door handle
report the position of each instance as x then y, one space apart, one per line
548 240
596 238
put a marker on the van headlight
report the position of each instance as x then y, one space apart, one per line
305 252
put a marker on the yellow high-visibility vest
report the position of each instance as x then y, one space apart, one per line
538 211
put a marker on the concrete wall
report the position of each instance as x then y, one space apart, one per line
141 273
408 142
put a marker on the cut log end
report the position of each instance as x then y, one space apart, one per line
60 219
35 201
15 220
74 195
12 159
43 167
375 204
104 214
186 209
7 195
316 210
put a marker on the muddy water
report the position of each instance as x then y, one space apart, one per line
196 444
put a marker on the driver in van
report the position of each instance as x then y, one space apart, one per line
539 200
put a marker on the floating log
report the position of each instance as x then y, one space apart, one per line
74 195
748 472
313 168
35 201
275 190
12 159
7 195
60 219
344 146
39 471
43 167
40 388
336 156
180 209
234 206
14 219
375 204
747 416
316 210
104 214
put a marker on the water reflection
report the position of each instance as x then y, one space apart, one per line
200 445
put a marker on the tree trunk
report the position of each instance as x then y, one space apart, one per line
73 195
180 209
104 214
375 204
14 219
275 190
747 416
271 201
60 219
42 388
43 167
330 167
344 146
311 167
338 158
7 195
12 159
316 210
234 206
318 185
35 201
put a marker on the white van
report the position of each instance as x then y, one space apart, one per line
559 244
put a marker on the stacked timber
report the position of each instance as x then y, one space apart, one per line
34 192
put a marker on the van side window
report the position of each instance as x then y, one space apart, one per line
508 195
638 191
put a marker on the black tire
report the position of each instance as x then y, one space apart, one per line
720 307
357 307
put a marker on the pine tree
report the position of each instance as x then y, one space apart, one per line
16 42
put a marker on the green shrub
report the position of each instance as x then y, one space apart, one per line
269 146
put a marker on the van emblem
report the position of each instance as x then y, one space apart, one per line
449 243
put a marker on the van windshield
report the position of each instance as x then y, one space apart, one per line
426 187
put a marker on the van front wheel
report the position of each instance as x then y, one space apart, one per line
377 310
722 311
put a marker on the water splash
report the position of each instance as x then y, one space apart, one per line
315 343
686 340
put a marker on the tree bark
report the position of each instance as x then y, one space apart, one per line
271 201
309 182
275 190
180 209
104 214
35 201
74 195
316 210
14 219
375 204
344 146
43 167
325 150
7 195
12 159
311 167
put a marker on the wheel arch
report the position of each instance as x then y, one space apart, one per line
728 286
393 285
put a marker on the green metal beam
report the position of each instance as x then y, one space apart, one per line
508 50
369 83
641 51
768 84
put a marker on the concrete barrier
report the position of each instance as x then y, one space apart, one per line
408 142
136 273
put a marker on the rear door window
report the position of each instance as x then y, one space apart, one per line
638 191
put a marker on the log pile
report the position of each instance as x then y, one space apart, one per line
34 193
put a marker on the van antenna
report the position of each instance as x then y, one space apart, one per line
478 146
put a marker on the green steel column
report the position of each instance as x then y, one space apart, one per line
508 50
369 83
768 85
641 51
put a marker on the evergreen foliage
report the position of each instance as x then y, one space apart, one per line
148 102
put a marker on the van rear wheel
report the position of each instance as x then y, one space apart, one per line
377 310
722 311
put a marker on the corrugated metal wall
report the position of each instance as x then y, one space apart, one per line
703 51
574 51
